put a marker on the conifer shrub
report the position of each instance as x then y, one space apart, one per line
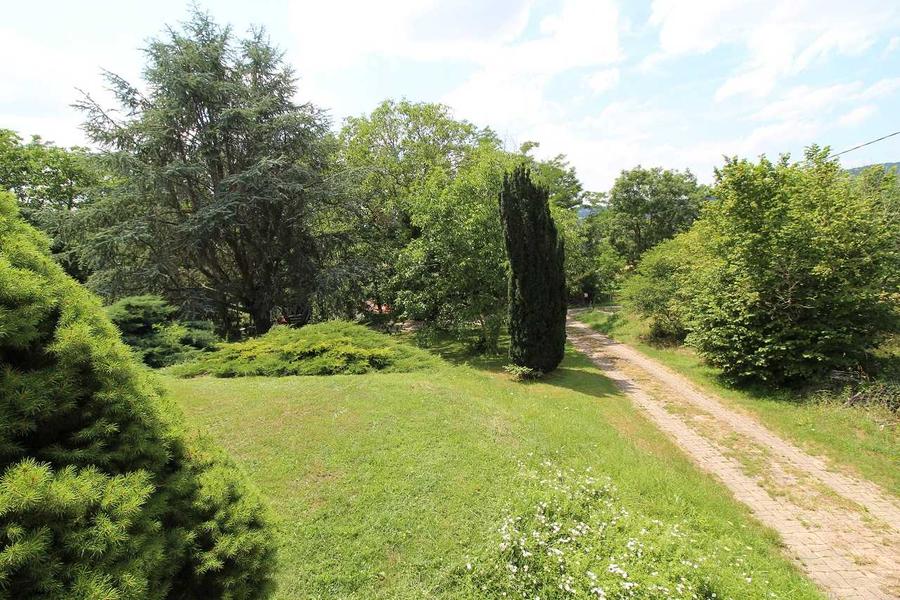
331 348
149 326
537 280
102 493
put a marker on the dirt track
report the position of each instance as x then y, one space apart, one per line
844 532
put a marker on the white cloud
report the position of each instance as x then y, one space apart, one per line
779 39
341 33
602 81
892 45
881 88
803 101
857 115
509 89
698 26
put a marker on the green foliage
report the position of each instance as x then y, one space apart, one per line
454 273
331 348
224 182
660 290
648 206
566 197
608 271
581 539
147 325
50 183
806 279
396 157
558 177
102 495
519 373
793 272
537 284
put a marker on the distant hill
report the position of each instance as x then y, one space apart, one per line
890 165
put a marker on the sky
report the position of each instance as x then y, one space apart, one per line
610 84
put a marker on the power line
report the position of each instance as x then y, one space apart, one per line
884 137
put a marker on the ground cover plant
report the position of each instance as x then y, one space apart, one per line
582 540
103 493
824 419
407 478
321 349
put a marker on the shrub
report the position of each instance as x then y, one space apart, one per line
658 289
806 280
522 373
537 279
147 324
102 494
580 539
328 348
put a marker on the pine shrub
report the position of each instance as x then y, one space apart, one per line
102 493
149 326
537 281
330 348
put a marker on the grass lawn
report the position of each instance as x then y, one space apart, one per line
385 485
866 439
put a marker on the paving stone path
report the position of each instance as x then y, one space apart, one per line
844 532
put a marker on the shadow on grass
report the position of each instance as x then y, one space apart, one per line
576 372
458 348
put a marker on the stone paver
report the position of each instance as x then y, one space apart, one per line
847 540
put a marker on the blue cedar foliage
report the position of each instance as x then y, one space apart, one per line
102 495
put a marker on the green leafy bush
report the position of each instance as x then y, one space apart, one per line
102 493
580 539
328 348
661 288
791 273
807 275
148 325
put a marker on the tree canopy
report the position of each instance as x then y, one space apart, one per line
223 179
648 206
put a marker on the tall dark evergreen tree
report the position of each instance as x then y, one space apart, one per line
537 281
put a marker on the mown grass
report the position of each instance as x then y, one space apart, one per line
321 349
387 485
864 438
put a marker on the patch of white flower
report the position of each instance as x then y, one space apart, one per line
580 541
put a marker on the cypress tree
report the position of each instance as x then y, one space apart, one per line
537 281
102 493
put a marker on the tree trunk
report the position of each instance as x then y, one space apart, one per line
261 317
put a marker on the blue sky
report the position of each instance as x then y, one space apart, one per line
611 84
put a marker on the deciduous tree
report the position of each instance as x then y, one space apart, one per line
648 206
